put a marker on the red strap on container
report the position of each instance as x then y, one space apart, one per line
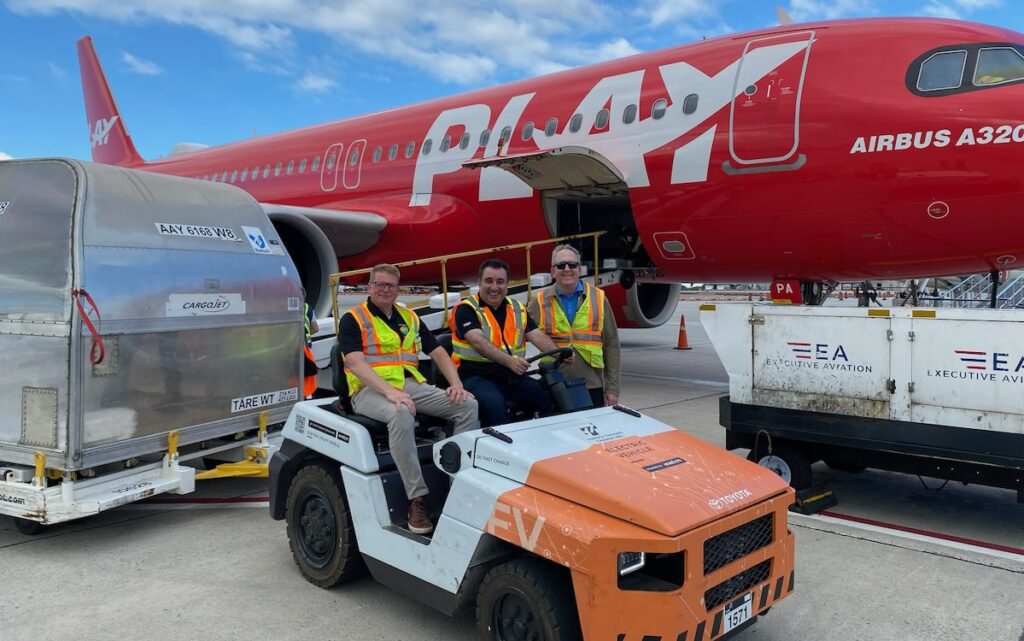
97 352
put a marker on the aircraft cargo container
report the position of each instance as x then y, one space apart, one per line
934 392
135 309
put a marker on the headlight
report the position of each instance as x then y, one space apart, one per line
630 562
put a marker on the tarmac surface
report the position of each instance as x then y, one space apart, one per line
900 558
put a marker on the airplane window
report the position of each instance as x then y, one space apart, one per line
485 137
658 108
255 171
575 122
330 161
291 166
316 163
506 135
234 176
302 166
629 114
266 170
245 174
464 143
377 153
690 104
353 157
277 170
942 71
427 145
551 127
446 143
224 177
601 121
528 130
410 149
998 65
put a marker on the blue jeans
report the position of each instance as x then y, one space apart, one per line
492 395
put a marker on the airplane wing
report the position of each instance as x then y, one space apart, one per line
349 232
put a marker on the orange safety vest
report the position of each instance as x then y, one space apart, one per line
389 354
513 336
584 334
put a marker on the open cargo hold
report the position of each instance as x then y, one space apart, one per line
935 392
132 304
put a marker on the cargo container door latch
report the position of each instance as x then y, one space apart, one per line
891 385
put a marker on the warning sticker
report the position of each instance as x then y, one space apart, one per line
262 400
197 231
257 240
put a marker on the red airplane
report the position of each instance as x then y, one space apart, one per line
822 152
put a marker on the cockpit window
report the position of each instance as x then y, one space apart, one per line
998 65
941 71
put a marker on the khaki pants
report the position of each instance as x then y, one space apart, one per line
428 400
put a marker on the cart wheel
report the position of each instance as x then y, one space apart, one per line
789 462
320 531
527 599
28 527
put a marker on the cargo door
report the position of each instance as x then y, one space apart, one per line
765 115
968 370
837 363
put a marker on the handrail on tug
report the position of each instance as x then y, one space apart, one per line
335 279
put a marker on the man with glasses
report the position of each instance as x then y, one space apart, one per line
381 341
578 315
489 334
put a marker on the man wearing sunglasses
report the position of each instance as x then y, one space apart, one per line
381 341
578 315
489 334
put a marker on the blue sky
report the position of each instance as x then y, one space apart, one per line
217 71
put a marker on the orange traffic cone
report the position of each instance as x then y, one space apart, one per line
682 344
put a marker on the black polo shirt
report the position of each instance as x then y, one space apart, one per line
350 337
465 320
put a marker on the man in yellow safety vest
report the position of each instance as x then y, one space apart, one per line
381 341
577 314
489 334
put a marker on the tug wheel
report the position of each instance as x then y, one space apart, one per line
789 462
527 600
320 531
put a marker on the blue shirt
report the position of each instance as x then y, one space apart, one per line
571 301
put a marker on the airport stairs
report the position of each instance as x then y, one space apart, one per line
976 291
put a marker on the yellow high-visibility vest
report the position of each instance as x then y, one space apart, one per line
514 335
389 354
584 334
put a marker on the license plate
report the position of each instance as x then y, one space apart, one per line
737 612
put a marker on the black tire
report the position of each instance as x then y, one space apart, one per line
788 461
527 598
319 526
27 527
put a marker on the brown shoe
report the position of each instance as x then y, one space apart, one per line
419 517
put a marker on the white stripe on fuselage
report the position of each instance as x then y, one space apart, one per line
624 145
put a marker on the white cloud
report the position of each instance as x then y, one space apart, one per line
140 66
808 10
954 9
315 83
938 10
4 156
57 71
663 12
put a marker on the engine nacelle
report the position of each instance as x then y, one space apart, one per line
312 253
644 304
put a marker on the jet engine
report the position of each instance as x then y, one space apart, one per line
644 304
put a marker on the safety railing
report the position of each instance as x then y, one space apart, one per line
335 279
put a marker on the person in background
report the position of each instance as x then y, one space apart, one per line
381 342
577 314
310 368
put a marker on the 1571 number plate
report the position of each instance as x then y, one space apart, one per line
738 612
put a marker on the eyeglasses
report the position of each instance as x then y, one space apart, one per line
385 286
566 265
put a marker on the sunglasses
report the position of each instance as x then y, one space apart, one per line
566 265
